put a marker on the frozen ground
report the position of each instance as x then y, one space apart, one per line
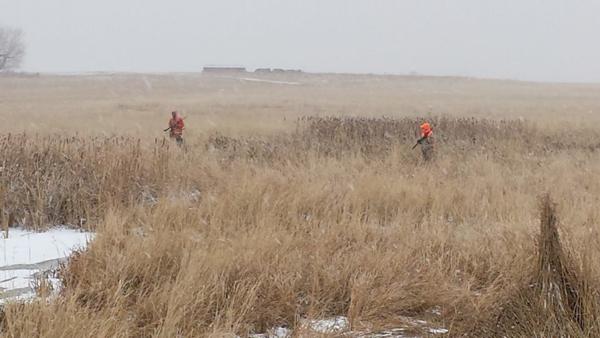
26 255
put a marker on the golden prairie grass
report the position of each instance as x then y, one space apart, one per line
139 104
313 218
220 241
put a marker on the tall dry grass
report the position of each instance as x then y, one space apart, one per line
335 216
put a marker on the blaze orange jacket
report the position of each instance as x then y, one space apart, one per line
426 130
176 124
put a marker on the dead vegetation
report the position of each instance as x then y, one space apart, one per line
336 216
72 180
556 297
50 180
341 137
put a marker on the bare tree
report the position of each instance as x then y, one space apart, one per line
12 48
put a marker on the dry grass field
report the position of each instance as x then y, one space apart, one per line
305 201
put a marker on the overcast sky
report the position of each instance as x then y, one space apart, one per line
542 40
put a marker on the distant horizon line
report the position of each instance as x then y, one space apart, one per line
288 71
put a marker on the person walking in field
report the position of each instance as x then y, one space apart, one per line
176 127
426 141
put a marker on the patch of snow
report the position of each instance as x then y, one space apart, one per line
436 311
279 332
251 79
438 331
340 326
271 81
19 295
282 332
330 325
16 279
26 255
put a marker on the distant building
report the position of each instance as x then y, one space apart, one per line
219 69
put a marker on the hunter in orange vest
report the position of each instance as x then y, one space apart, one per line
426 141
176 127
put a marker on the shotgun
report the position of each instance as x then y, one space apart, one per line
419 141
183 118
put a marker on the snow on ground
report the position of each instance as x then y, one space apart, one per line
25 255
278 332
250 79
438 331
330 325
340 326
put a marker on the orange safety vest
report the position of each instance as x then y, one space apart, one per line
426 130
176 124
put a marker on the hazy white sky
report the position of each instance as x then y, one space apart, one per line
543 40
